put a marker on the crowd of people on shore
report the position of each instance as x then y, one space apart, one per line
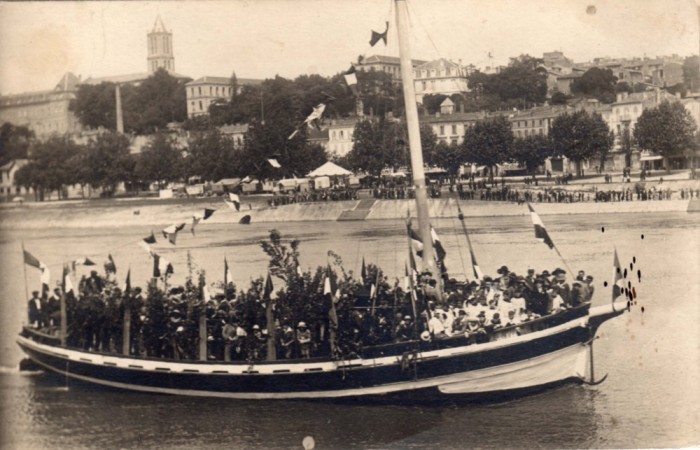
165 323
314 195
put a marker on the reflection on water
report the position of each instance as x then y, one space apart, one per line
650 398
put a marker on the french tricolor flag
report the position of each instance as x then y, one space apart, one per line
540 231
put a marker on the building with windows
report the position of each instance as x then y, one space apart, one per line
236 132
340 132
204 91
450 128
8 190
440 77
44 112
387 64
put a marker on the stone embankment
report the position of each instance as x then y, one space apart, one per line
117 214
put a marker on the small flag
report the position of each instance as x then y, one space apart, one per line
150 239
351 80
161 267
67 283
416 242
618 282
478 274
313 119
196 217
110 266
376 37
170 233
328 287
146 247
274 163
267 291
227 274
45 275
439 249
30 260
406 279
540 231
127 282
235 200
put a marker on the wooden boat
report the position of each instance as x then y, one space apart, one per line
537 354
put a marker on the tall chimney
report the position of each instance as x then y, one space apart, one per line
120 119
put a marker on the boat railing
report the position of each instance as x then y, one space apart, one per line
373 351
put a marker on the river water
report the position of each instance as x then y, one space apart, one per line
653 357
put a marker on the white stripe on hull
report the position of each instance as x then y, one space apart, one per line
556 366
549 368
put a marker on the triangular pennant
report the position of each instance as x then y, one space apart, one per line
376 37
150 239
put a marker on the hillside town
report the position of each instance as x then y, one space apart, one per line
482 127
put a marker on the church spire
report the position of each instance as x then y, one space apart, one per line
160 48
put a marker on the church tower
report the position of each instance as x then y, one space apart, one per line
160 48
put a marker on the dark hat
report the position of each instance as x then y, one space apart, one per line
481 314
530 270
488 279
545 273
558 270
503 270
589 277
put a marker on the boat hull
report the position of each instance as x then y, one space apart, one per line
515 364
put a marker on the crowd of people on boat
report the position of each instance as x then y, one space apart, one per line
165 323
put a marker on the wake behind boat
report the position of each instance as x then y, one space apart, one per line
326 334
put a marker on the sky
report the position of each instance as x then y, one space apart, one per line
40 41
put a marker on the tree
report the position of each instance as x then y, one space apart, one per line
108 161
489 142
14 142
626 142
596 83
157 101
432 102
49 167
559 98
160 161
667 130
211 156
379 143
580 136
531 151
449 156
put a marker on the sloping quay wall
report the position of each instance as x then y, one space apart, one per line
82 215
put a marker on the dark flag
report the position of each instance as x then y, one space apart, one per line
150 239
363 272
439 249
416 242
110 266
30 260
81 262
376 37
127 282
618 282
156 265
540 231
267 290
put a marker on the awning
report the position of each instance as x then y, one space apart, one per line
651 158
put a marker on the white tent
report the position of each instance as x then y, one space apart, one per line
329 169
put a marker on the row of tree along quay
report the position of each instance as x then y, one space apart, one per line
276 107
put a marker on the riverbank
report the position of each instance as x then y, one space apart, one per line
86 214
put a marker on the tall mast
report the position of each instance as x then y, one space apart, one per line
409 95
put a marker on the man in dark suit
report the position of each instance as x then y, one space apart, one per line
34 306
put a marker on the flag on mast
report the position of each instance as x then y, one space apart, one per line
170 233
351 79
363 272
540 230
478 274
67 283
196 217
618 282
235 200
30 260
127 282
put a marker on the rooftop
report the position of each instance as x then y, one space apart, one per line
224 81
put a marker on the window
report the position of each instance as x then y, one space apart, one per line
540 131
442 129
199 89
333 135
342 134
200 106
424 84
454 129
526 133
